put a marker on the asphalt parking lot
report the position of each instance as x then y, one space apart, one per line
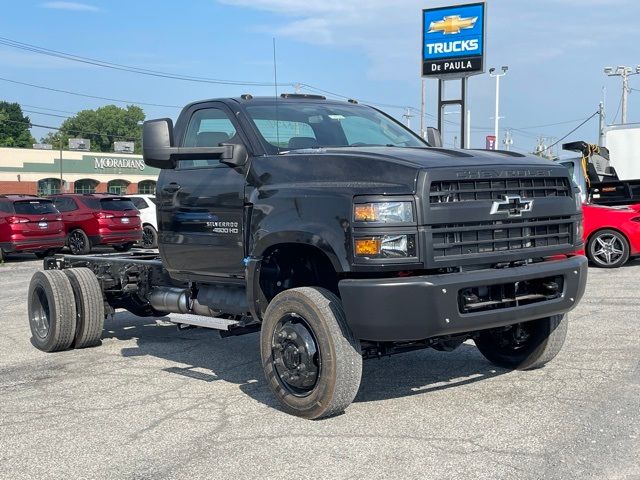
155 403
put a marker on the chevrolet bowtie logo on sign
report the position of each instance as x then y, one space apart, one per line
452 24
453 40
512 206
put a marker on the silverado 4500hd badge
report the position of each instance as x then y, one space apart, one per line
224 227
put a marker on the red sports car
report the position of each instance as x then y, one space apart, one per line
611 234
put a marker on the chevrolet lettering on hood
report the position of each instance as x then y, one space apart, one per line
510 173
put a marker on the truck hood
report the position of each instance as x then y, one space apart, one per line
439 157
386 170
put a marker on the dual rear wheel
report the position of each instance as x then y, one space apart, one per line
65 309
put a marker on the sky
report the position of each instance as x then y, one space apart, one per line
555 50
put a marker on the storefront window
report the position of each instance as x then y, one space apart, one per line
147 187
117 187
85 186
49 186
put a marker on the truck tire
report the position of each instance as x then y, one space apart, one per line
89 307
311 358
78 242
524 346
2 256
608 249
149 237
51 310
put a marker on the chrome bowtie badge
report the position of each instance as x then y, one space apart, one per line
512 206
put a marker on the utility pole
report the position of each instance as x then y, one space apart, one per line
61 179
467 137
422 105
408 116
601 124
492 73
508 140
624 72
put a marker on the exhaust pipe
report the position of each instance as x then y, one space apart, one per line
177 300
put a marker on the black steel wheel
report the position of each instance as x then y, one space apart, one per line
524 346
295 355
608 249
78 242
149 237
311 359
51 311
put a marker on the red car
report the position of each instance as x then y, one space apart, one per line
98 219
29 224
611 234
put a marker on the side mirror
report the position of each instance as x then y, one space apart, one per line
433 137
238 157
158 150
157 142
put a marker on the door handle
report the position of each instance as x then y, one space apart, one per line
171 188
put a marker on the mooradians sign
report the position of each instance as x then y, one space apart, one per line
100 163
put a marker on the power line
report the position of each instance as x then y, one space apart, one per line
44 108
44 113
547 125
125 68
74 131
558 141
77 94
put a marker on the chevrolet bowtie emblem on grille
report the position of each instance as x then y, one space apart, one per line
452 24
512 205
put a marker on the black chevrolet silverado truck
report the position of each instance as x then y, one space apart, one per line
338 234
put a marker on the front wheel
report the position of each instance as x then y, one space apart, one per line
524 346
608 249
311 359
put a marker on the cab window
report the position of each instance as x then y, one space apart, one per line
208 127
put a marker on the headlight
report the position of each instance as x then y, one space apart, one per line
386 246
383 212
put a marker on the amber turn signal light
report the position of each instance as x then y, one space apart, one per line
365 212
367 246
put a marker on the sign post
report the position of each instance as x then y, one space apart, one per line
453 46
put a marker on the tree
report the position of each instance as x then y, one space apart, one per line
102 126
14 126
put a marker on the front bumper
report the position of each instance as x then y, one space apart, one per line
416 308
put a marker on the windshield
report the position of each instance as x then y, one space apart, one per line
34 207
316 125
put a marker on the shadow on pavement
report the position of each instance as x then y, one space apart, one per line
201 355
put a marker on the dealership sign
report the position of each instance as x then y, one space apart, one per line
100 163
453 40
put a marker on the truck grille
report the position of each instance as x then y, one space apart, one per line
455 240
495 189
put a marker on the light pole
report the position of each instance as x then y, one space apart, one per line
493 73
624 72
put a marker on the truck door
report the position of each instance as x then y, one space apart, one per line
201 202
